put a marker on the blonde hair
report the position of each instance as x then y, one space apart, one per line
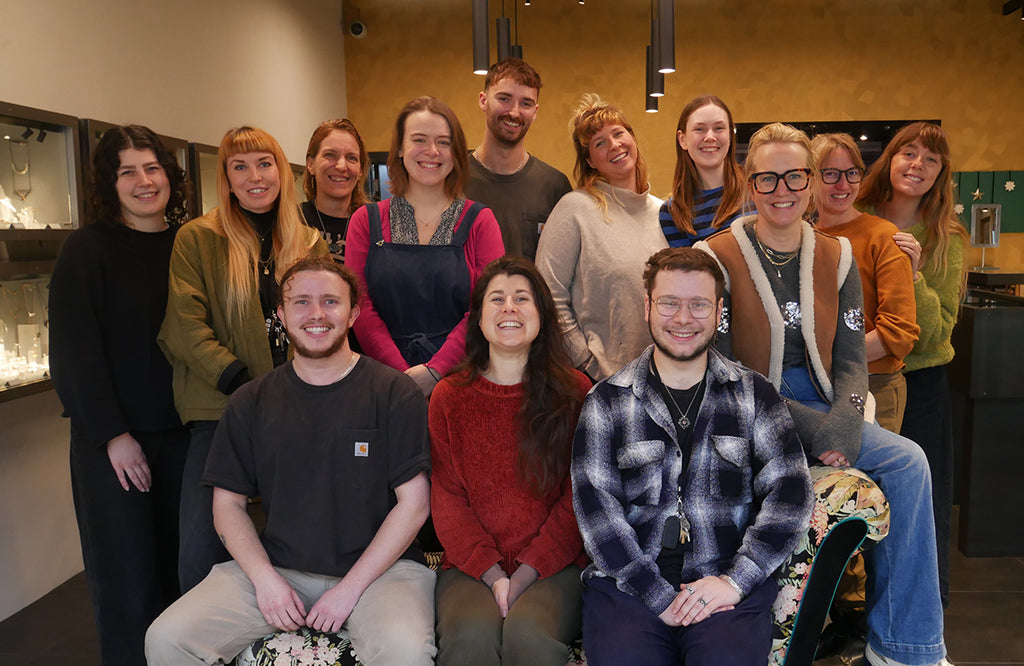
291 239
591 115
936 207
824 145
778 133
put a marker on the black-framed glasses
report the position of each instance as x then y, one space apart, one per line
831 176
766 182
699 308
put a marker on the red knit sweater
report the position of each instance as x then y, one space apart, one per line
483 512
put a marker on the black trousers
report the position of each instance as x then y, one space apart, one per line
129 539
928 421
200 546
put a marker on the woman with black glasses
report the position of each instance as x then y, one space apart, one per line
890 313
795 314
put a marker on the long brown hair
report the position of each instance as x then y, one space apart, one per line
292 239
935 207
686 180
551 395
359 196
593 113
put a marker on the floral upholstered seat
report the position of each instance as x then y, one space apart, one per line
849 508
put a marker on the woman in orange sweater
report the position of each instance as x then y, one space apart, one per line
501 428
890 312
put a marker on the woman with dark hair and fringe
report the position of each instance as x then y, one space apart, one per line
598 238
334 181
707 189
501 433
221 329
419 253
911 185
107 299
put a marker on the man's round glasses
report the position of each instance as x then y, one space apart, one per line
766 182
831 176
699 308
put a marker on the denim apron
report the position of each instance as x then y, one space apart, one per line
420 291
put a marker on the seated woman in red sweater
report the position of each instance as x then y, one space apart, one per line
501 432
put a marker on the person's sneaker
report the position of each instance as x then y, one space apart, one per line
875 659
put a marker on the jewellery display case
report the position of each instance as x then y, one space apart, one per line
298 171
202 160
40 205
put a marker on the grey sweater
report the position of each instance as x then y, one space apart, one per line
593 262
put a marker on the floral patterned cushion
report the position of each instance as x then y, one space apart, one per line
840 494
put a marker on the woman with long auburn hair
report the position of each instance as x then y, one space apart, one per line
597 240
221 329
707 188
501 431
911 185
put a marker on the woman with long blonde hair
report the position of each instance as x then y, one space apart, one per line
597 239
911 185
220 329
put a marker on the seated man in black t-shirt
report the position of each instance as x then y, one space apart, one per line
336 446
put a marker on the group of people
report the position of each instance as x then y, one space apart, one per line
368 367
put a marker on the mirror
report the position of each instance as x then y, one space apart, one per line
985 220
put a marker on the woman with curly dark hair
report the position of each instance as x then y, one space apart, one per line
107 299
501 432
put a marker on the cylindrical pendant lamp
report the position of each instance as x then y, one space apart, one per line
667 36
651 101
504 33
481 48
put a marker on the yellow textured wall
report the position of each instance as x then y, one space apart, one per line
957 60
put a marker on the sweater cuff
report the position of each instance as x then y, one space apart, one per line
233 377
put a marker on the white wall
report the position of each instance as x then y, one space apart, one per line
187 68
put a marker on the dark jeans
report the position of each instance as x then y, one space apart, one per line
619 629
928 421
200 546
129 539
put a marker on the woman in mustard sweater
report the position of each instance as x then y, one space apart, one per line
501 429
911 185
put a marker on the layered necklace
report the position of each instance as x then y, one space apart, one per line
774 257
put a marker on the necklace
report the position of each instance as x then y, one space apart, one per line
352 364
332 247
526 158
684 420
22 192
774 257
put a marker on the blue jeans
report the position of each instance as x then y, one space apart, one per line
903 607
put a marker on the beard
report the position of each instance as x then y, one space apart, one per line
305 352
500 132
681 358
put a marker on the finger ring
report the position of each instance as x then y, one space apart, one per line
690 589
702 601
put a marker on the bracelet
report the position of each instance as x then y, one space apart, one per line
433 373
728 579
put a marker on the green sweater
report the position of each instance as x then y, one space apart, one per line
938 304
199 337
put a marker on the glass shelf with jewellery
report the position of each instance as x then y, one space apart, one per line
24 337
40 205
202 164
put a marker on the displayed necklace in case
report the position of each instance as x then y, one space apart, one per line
16 171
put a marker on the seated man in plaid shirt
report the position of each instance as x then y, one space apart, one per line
690 487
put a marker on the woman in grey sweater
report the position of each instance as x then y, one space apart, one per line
594 245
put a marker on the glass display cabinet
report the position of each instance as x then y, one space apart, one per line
202 160
41 195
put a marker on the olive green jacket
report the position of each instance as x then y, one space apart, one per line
199 336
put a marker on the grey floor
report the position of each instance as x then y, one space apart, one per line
984 622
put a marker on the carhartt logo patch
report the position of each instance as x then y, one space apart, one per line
362 449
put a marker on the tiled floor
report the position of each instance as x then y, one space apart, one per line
984 622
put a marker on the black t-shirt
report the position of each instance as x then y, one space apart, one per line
332 229
324 459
